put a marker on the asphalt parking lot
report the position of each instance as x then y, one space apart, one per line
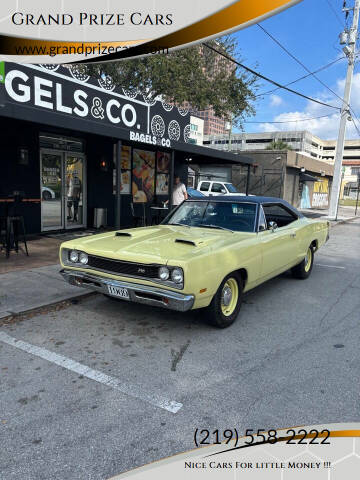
100 387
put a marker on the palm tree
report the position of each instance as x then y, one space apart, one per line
279 145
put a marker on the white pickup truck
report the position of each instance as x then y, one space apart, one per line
210 188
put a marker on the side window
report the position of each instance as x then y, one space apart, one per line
217 187
204 186
279 214
262 220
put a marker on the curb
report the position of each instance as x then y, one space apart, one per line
333 223
8 315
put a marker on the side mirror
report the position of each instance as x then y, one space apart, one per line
272 226
223 190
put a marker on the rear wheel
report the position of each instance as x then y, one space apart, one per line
225 305
304 268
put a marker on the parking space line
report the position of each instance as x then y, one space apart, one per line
329 266
96 375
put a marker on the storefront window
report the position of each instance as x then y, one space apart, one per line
144 174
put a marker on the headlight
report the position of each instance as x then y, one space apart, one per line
74 256
164 273
177 275
83 258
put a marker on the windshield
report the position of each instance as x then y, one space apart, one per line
235 216
231 188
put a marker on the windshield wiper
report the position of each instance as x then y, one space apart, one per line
181 224
217 226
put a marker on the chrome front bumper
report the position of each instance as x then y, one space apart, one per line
157 297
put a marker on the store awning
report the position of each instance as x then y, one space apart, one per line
305 177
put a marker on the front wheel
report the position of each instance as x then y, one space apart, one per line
304 268
46 195
226 303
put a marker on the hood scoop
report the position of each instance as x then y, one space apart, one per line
122 234
187 242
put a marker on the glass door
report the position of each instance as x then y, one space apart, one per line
75 199
51 185
63 193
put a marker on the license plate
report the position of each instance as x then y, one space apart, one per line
118 292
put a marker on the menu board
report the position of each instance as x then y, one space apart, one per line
125 159
125 163
143 180
162 184
163 162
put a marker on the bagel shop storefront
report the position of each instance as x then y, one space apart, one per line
71 144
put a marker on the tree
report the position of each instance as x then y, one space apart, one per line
196 75
279 145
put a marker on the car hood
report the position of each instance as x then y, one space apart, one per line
156 244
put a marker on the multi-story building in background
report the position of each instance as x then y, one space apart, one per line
303 143
300 141
196 135
213 125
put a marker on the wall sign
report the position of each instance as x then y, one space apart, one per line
67 91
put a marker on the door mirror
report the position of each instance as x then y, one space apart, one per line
272 226
223 190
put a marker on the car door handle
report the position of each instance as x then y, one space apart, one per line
292 235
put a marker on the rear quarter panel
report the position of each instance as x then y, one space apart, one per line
309 232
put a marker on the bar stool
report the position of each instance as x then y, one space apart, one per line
15 226
3 232
138 213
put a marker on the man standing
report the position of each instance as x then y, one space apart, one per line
179 193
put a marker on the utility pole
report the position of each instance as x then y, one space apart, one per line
349 38
357 195
230 133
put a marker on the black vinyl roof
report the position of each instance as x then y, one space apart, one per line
252 199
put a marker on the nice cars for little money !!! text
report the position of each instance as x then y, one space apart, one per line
205 254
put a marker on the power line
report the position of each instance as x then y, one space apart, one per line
342 23
297 60
303 77
354 115
356 128
292 121
257 74
305 68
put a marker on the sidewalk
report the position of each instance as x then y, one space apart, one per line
27 283
23 291
344 214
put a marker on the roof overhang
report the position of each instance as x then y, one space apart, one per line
203 155
305 177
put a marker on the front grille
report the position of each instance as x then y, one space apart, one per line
123 268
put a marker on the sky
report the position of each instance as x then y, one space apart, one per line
310 31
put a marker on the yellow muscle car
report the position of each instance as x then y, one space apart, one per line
205 254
